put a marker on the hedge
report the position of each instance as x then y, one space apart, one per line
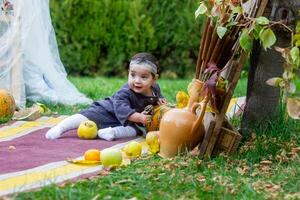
98 37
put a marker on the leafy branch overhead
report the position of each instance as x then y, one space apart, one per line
229 14
232 22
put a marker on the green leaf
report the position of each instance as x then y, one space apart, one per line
218 2
296 37
262 21
221 31
256 30
237 10
294 54
267 38
231 23
202 9
298 27
246 41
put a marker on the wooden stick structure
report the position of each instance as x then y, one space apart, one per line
226 53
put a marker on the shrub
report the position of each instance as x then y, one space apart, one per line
100 37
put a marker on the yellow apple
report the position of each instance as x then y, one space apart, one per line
133 149
111 157
152 141
87 130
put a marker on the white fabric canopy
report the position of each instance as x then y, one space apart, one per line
30 66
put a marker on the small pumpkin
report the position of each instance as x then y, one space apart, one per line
7 104
158 113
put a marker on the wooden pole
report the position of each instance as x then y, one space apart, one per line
206 46
201 49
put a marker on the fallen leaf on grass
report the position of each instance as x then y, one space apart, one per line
195 152
292 196
282 157
222 180
199 162
207 188
249 145
133 198
233 191
261 169
294 154
295 150
104 172
83 162
95 177
242 170
183 164
210 165
255 173
95 197
201 178
272 188
265 167
124 181
258 186
266 162
170 167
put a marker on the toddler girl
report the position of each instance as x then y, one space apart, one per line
121 115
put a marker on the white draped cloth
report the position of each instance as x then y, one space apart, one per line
30 66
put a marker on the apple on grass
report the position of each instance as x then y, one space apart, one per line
87 130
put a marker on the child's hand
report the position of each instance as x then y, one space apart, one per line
161 101
145 118
142 117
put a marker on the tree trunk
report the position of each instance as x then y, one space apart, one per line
262 100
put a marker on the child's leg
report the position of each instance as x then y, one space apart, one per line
116 132
69 123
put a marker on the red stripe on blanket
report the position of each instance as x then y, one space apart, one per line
34 150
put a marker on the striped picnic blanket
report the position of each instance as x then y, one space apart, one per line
29 161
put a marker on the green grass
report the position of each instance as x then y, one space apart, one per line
101 87
240 176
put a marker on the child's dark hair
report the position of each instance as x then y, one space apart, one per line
145 57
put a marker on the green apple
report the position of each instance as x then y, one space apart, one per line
111 157
87 130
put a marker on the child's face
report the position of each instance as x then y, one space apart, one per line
140 80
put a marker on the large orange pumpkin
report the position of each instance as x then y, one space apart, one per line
7 104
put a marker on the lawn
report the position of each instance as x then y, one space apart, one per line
265 167
101 87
